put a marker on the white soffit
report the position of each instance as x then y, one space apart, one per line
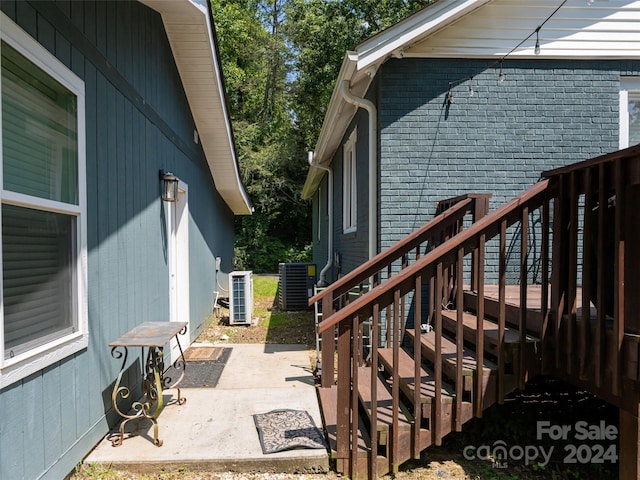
190 33
604 29
426 22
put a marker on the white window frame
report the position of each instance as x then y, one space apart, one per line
627 84
349 185
26 363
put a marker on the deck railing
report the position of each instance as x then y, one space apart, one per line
451 214
579 200
597 217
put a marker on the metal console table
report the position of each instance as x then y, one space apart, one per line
153 336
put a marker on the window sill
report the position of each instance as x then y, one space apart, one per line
23 365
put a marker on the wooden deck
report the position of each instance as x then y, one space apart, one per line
580 324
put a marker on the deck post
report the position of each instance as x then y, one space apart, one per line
343 421
480 209
327 359
629 461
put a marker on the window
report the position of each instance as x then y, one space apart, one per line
42 208
350 192
629 111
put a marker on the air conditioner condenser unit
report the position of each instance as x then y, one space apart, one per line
240 298
296 285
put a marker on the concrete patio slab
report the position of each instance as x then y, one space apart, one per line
214 430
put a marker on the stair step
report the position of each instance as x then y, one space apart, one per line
384 405
329 406
490 330
512 313
469 359
406 374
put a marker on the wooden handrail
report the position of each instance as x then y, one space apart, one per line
443 205
631 152
373 266
488 225
584 214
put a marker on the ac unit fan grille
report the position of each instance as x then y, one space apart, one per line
296 285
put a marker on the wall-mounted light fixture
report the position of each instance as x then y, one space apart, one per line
169 186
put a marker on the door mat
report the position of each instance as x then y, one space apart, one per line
205 354
281 430
202 374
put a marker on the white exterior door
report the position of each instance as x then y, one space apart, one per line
178 233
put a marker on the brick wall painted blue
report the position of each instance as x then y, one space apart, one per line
543 115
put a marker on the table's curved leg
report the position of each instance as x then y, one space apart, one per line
180 365
153 401
123 392
157 366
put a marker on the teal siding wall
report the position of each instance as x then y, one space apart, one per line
138 122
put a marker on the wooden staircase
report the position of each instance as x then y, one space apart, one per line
422 416
438 351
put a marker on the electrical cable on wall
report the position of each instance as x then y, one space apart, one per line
501 75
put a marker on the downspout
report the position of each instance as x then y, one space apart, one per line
373 167
322 281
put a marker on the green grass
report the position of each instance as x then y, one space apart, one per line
264 287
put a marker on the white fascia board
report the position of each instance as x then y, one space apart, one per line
215 135
336 120
335 110
380 47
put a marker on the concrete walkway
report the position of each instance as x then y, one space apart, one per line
214 430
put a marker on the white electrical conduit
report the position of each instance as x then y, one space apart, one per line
322 281
373 167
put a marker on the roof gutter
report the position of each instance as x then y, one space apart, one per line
373 164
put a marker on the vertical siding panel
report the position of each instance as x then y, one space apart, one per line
129 205
121 227
111 33
88 361
34 425
77 14
11 433
46 35
63 50
70 398
101 27
139 38
77 65
123 42
89 24
9 8
102 328
147 254
110 198
137 181
27 18
52 402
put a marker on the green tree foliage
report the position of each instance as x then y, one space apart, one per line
319 33
280 60
255 62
